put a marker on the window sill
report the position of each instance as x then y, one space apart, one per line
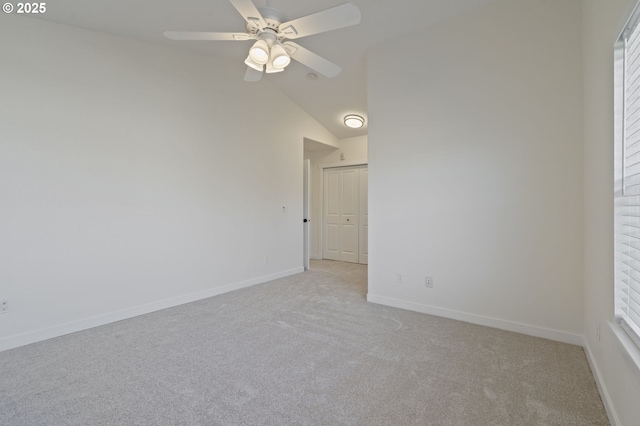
630 349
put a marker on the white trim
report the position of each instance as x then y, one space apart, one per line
306 213
631 350
626 18
531 330
346 163
604 393
98 320
626 329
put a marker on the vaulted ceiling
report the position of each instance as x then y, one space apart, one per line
327 100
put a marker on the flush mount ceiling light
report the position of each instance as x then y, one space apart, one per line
353 121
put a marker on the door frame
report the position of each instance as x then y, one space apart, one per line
306 212
321 168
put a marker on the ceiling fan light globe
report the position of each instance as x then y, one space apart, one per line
281 62
250 62
270 69
279 57
259 52
259 56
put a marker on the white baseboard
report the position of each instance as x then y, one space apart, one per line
604 393
98 320
531 330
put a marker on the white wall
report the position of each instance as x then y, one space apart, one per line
618 376
475 168
130 180
353 149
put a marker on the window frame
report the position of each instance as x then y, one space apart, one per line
626 203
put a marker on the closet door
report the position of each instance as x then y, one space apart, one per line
350 208
364 216
341 233
332 217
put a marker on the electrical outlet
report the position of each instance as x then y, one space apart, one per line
399 278
4 306
428 282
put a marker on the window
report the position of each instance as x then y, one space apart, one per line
627 178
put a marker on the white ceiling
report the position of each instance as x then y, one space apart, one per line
327 100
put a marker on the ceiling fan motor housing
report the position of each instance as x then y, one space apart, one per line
273 18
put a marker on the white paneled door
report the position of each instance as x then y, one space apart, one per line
363 255
345 210
331 219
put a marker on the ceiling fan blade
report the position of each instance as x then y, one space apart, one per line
249 12
252 75
331 19
310 59
203 35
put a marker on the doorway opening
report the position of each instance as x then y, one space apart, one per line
323 157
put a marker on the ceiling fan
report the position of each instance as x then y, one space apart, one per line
273 51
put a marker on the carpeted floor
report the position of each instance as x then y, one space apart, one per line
302 350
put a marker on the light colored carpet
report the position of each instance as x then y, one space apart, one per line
302 350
